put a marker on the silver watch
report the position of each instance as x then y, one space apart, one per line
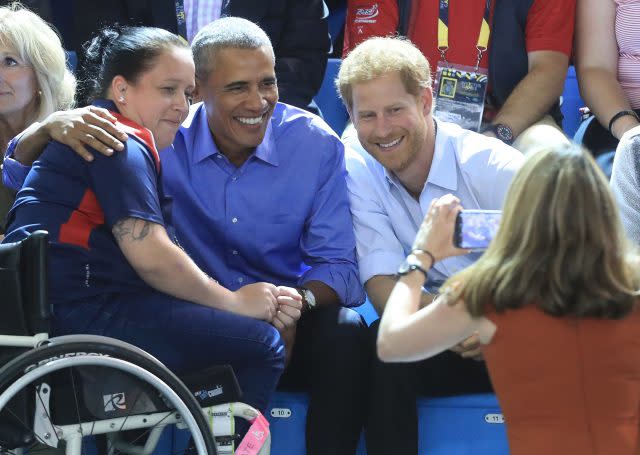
308 297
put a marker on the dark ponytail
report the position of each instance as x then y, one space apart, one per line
120 50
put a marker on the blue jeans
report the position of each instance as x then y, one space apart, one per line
186 337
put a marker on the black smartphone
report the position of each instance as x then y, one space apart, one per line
476 228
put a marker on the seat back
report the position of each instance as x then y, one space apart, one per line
23 280
25 311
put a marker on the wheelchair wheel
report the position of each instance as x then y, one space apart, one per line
66 392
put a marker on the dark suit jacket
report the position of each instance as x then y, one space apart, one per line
298 30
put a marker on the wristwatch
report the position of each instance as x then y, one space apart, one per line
502 132
308 298
411 263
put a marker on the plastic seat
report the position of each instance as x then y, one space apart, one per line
571 103
461 425
327 99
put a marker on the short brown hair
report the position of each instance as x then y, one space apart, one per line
378 56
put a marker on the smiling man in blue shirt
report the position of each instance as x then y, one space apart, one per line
259 194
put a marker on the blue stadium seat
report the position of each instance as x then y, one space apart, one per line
571 103
463 425
329 102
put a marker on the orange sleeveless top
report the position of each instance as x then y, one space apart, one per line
567 386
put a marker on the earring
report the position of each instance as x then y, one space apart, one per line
121 99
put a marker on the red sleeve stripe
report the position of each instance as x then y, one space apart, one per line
83 220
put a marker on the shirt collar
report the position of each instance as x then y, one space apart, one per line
195 130
106 104
444 168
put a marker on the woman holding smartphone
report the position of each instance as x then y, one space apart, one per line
554 302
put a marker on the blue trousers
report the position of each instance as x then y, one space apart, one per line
186 337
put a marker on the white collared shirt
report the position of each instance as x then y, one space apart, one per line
200 13
475 168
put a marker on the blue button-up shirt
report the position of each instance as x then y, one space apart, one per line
475 168
282 217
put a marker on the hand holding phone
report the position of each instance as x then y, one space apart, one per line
475 229
436 231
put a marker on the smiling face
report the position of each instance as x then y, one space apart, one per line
18 86
159 99
392 124
240 93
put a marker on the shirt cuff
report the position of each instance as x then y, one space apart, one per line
342 278
13 172
379 263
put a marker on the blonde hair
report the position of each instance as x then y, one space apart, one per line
376 57
560 244
39 46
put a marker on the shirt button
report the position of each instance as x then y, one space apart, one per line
234 252
234 179
234 220
240 280
219 156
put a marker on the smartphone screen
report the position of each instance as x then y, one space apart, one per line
476 228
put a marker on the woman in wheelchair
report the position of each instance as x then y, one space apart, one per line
116 269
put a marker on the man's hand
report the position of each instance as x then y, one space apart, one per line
92 126
289 309
471 348
257 300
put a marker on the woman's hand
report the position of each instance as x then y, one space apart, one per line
92 126
256 300
436 232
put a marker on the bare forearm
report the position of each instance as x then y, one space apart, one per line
532 98
164 266
379 289
323 293
604 96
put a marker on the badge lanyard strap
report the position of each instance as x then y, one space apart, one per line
443 31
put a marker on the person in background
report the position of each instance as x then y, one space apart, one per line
114 269
297 28
607 64
625 182
522 47
34 79
553 300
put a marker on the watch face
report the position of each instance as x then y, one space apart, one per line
504 133
409 264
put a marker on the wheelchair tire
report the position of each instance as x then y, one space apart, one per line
89 348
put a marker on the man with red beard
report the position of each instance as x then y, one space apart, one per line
410 159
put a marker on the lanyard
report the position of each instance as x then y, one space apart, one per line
443 30
181 19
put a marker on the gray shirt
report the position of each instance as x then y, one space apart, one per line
625 182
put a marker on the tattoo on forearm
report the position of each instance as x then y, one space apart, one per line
131 229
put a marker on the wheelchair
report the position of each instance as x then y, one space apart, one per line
88 394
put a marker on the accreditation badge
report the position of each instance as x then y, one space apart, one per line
459 95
